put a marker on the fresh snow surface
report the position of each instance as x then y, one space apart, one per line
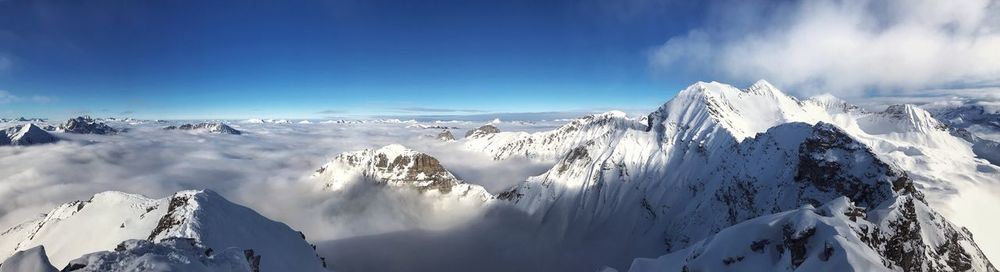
174 254
550 145
28 260
68 231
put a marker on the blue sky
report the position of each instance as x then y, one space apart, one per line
310 59
315 59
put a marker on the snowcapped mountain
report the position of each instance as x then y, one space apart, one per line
86 125
399 167
550 145
715 156
27 134
217 128
207 218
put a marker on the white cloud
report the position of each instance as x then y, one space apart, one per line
844 47
7 97
6 63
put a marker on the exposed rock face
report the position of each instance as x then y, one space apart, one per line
396 166
203 217
218 128
446 136
27 134
86 125
173 254
482 131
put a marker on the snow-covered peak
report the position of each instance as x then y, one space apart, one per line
27 134
703 108
204 216
86 125
396 166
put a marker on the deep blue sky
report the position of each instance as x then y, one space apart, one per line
312 59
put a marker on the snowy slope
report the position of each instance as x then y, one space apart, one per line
716 155
68 230
399 167
549 145
173 254
28 260
27 134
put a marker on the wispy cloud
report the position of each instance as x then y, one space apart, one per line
426 109
331 112
6 63
7 97
849 48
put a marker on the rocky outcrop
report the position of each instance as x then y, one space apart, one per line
481 131
218 128
445 136
86 125
395 166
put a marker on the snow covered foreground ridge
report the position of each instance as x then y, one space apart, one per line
205 218
399 167
838 236
750 153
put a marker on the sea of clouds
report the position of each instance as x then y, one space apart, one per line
268 169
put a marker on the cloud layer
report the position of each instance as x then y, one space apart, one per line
849 48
